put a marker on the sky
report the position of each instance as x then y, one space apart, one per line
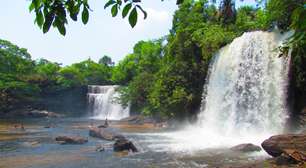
103 34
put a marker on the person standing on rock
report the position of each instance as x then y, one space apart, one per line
106 123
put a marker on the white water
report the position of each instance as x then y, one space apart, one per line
102 102
244 98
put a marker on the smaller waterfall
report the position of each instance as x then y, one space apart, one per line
102 103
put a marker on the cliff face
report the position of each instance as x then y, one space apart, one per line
297 90
72 102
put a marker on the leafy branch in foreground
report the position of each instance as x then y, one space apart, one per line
54 12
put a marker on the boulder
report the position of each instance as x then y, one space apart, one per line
100 148
38 113
279 144
103 133
71 140
136 119
297 156
124 145
139 120
247 147
289 158
43 113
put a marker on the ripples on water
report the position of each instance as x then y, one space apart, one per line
158 148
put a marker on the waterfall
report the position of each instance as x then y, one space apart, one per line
245 92
102 103
244 97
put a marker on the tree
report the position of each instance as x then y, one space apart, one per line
15 68
106 60
86 72
139 70
227 11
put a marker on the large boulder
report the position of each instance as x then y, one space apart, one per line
279 144
247 147
123 144
71 140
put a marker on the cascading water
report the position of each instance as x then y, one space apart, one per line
244 99
102 103
246 89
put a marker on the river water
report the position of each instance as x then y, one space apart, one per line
36 148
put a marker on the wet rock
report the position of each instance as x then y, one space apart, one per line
277 145
162 124
103 133
118 137
100 148
124 145
43 113
145 120
31 144
284 160
102 126
136 119
71 140
139 119
295 155
289 157
248 147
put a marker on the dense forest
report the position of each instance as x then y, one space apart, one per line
162 77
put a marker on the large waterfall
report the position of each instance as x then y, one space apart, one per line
245 92
244 99
102 103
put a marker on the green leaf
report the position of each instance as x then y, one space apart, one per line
39 19
31 7
119 2
36 3
143 11
126 9
74 11
110 2
48 22
61 28
114 10
74 16
178 2
85 15
133 17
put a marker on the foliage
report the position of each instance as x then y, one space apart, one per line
291 15
54 12
106 60
15 65
25 80
137 72
163 77
84 73
250 18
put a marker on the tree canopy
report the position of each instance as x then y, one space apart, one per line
162 77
